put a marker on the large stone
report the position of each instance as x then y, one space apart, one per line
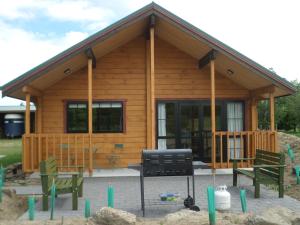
110 216
276 216
184 217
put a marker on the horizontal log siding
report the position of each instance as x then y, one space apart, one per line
178 76
118 75
121 75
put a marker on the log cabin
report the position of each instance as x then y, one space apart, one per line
148 81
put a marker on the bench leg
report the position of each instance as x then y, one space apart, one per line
45 202
281 190
235 178
75 199
257 189
80 192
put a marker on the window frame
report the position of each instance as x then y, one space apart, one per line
66 123
122 114
67 118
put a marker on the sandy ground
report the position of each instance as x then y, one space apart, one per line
292 189
12 206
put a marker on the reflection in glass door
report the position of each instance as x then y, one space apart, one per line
189 128
187 124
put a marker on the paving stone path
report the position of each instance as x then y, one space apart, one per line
127 195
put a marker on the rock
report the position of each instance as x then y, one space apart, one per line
110 216
184 217
276 216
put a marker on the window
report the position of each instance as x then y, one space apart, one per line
107 117
77 117
235 122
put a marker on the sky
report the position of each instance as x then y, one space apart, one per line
32 31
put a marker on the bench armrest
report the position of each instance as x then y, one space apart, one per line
79 166
57 174
268 166
245 159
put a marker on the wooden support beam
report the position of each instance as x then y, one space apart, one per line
39 115
213 112
272 112
90 55
152 87
205 60
27 115
90 112
257 93
254 124
32 91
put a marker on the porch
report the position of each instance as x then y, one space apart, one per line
74 149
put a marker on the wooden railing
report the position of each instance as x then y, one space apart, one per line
241 145
74 149
68 149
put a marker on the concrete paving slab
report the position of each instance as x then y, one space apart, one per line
127 195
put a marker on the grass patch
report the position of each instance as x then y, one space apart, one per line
12 148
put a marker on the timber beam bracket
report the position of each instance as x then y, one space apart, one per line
32 91
90 55
205 60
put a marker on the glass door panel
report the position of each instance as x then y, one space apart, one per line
189 128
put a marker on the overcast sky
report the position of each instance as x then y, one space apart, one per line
33 31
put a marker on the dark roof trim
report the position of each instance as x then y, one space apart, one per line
136 16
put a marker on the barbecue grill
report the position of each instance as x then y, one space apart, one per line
170 162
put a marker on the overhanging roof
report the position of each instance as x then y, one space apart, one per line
170 28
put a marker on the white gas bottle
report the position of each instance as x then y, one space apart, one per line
222 198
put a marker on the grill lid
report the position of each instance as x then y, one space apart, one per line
169 162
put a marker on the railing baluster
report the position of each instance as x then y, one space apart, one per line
83 153
248 148
221 149
228 150
76 162
60 147
242 147
53 150
68 150
31 152
40 147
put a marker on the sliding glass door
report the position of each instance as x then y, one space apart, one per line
187 124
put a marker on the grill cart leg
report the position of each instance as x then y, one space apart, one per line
142 194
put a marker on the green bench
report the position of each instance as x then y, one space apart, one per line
64 185
268 169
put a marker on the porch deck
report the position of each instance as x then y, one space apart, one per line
127 196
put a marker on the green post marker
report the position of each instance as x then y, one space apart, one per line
1 193
297 169
110 196
291 153
243 201
87 208
31 206
211 205
52 203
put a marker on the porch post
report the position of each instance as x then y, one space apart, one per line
150 80
213 112
272 112
27 114
253 114
90 114
38 115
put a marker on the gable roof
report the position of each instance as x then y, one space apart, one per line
139 19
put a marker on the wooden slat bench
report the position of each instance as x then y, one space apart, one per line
268 169
49 174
